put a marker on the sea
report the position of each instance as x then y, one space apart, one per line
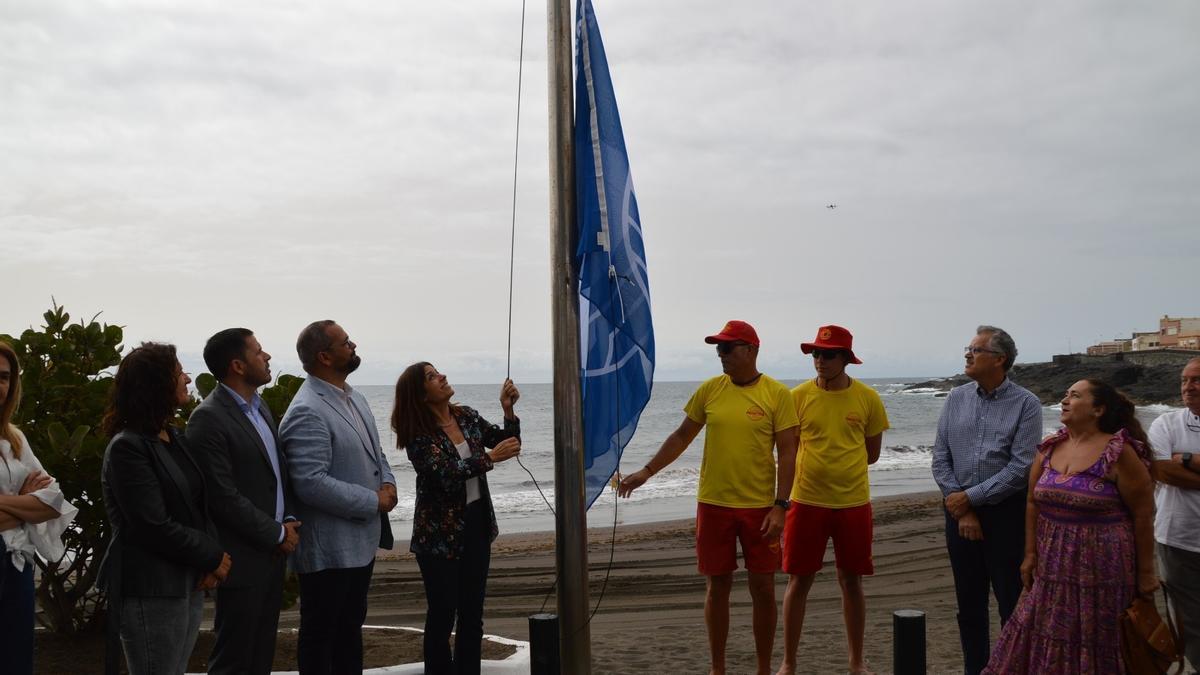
523 496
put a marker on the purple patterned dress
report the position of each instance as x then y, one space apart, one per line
1068 621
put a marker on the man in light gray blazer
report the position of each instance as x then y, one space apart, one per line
344 490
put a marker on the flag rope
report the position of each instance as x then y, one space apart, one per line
512 246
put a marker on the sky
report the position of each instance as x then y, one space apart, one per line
183 168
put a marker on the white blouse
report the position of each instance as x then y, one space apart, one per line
464 451
43 538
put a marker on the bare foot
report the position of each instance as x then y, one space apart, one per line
785 669
862 669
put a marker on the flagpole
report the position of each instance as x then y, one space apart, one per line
570 526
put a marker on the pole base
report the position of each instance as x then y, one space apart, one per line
543 645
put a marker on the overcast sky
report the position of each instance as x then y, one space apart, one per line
184 169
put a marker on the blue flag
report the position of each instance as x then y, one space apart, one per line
616 334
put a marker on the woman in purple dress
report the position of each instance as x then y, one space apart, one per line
1089 540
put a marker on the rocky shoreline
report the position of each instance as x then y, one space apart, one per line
1144 384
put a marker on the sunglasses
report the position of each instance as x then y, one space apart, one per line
827 354
726 347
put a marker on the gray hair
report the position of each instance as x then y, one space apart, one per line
1002 342
312 341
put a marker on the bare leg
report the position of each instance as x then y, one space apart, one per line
766 615
854 613
795 598
716 619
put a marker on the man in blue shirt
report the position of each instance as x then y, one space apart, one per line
987 437
236 442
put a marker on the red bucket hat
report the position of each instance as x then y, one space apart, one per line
735 331
832 337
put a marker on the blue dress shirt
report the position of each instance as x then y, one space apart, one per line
986 441
250 410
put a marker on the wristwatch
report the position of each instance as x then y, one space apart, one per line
784 504
1187 460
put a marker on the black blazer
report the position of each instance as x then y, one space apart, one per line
242 486
163 539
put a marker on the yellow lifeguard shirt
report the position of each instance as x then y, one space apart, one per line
831 464
738 467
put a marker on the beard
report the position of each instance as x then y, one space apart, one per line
351 365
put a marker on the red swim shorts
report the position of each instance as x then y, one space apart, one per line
808 531
718 531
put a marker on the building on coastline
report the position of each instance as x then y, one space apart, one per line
1144 340
1179 333
1182 333
1111 347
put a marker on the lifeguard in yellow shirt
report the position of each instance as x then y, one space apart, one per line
742 496
842 422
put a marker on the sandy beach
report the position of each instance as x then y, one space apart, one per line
651 618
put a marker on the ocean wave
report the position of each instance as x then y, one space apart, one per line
1158 408
908 449
921 390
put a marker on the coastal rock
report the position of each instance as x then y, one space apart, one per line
1144 384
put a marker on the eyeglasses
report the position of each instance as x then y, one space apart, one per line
827 354
979 350
726 347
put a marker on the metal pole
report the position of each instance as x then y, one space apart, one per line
571 522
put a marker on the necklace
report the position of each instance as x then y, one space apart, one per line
446 424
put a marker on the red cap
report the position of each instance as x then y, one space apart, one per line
832 337
735 331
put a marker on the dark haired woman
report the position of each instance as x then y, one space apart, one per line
1089 540
33 515
454 524
164 552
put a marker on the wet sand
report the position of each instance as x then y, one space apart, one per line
651 619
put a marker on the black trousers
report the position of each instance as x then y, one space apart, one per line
245 624
455 589
333 607
995 562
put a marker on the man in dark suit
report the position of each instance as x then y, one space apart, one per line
234 437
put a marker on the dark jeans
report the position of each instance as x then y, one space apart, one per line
16 615
995 561
333 607
159 633
455 589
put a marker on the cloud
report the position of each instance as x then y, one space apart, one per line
184 168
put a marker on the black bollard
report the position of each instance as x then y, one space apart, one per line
908 642
543 645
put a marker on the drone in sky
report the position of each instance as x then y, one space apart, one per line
831 206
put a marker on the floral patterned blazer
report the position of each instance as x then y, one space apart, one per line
440 516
